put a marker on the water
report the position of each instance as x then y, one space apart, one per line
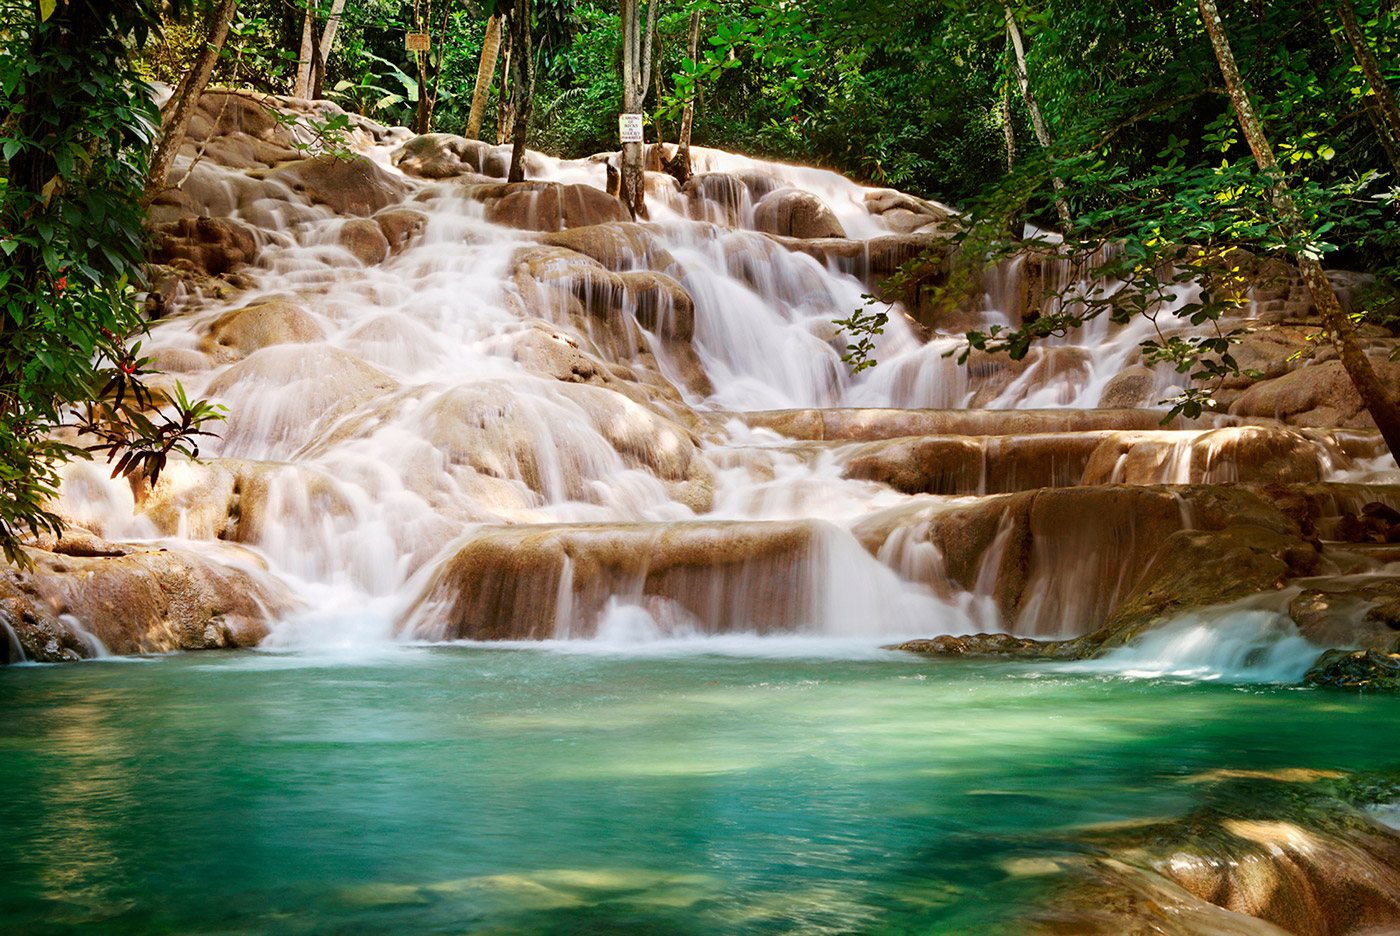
695 788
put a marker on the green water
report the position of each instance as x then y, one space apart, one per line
471 790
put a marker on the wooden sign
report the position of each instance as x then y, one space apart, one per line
416 42
629 127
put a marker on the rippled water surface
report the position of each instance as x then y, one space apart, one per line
710 788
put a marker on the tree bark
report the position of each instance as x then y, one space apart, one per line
308 30
1007 130
523 82
505 116
1371 68
679 166
636 67
1042 134
323 48
172 134
1374 396
485 71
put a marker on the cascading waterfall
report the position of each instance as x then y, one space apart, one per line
490 423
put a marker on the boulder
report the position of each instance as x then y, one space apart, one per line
230 499
980 645
1320 395
400 226
618 246
1357 669
142 601
441 156
1267 853
796 213
365 239
241 332
1135 386
546 206
208 246
357 186
324 384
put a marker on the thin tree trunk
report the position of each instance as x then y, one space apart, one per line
505 116
1037 121
323 48
679 166
523 79
172 134
1372 106
308 30
636 66
490 50
1007 129
1371 68
1373 394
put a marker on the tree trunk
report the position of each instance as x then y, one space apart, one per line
323 48
1037 121
1384 97
172 134
1358 367
636 67
505 116
679 166
1007 130
523 81
308 30
490 50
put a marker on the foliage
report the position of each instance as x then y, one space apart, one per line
74 147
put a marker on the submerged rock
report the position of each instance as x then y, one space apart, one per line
1267 854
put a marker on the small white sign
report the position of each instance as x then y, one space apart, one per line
629 127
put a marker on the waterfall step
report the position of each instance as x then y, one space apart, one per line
543 581
955 464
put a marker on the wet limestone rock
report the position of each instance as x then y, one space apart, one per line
352 187
232 499
325 382
546 206
905 214
1238 453
1135 386
795 213
964 465
400 226
617 246
365 239
142 601
207 246
1286 851
1099 563
241 332
441 156
1320 395
543 581
1357 669
980 645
